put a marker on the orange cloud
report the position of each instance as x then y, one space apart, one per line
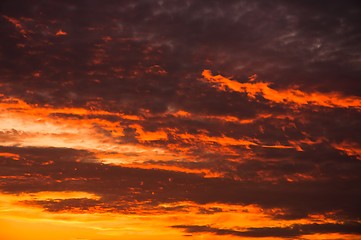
226 118
223 140
61 33
18 25
13 156
203 171
350 148
147 135
294 96
27 125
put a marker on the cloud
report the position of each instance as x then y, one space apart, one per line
252 90
18 25
281 48
131 102
292 231
69 170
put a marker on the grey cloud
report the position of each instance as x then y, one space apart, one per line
293 231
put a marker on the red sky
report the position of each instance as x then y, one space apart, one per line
180 120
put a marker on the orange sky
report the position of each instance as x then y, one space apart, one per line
179 120
28 215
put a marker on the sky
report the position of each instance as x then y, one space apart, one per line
180 119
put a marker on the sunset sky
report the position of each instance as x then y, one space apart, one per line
180 119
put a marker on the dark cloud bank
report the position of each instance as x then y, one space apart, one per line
132 56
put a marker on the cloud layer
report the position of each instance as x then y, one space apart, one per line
237 118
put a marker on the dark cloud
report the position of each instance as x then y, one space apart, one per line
117 185
110 47
135 64
293 231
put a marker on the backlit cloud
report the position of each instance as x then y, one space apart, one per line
180 119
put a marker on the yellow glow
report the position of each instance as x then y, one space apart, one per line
24 222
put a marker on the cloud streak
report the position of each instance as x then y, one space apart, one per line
283 232
252 90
